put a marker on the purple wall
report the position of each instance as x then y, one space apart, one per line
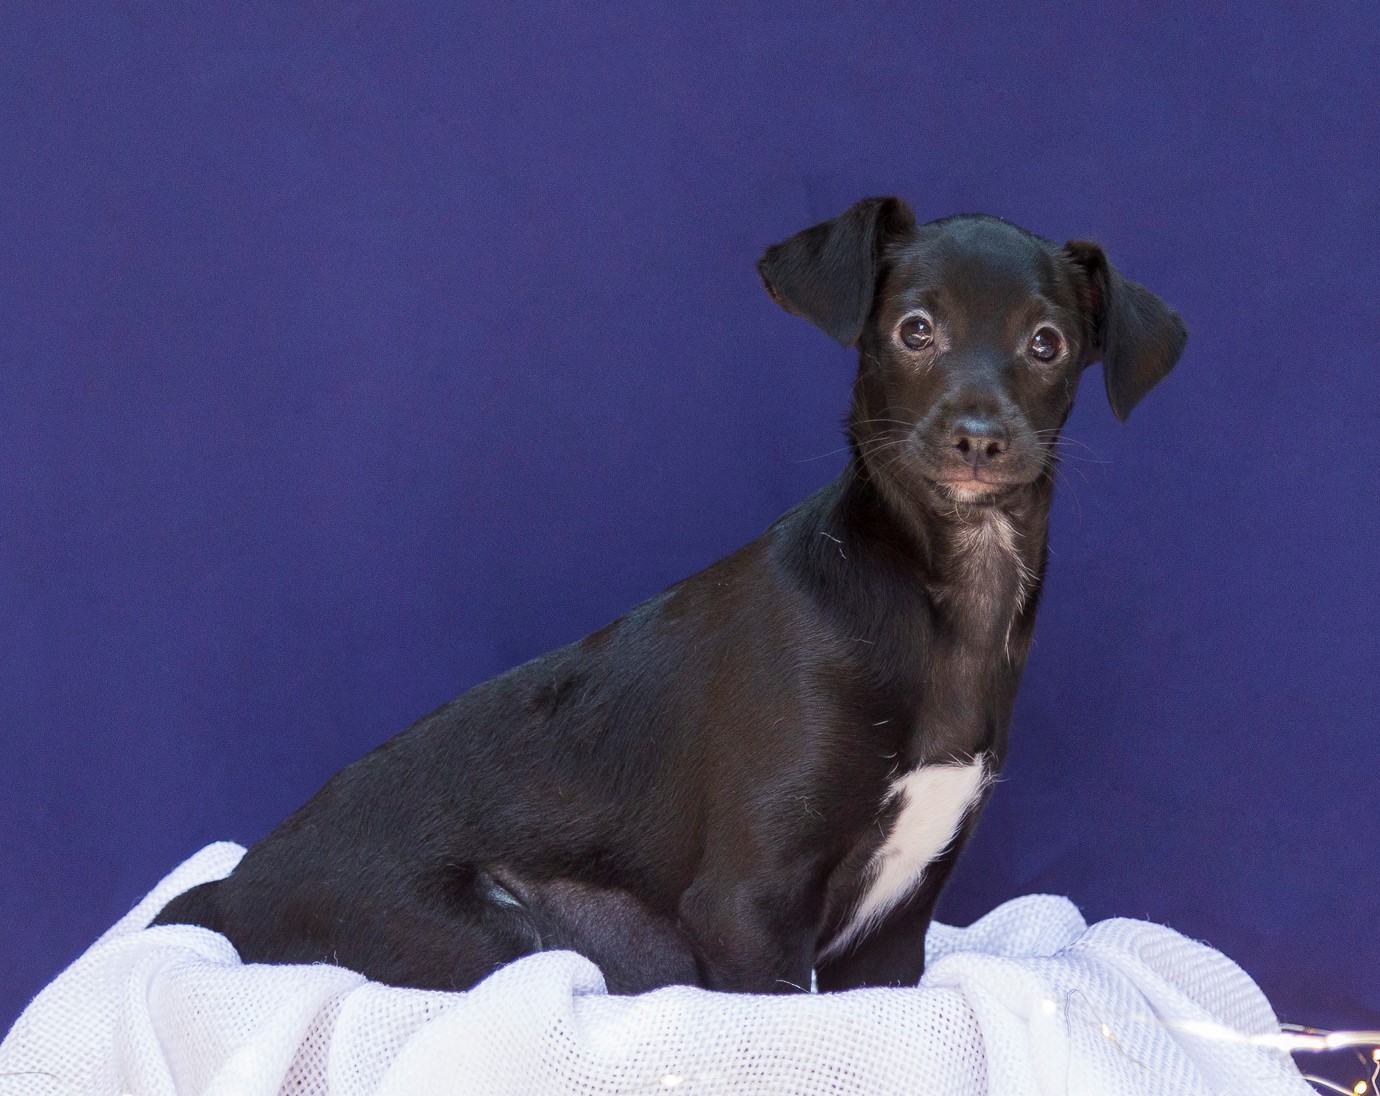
354 352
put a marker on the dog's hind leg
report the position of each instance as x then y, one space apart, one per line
636 948
446 937
453 930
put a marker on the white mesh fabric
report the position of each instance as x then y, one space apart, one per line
1028 1000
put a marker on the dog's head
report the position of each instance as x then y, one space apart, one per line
973 334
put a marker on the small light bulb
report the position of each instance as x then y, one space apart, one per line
1107 1032
1049 1006
1360 1088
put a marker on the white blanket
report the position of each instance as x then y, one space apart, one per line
1028 1000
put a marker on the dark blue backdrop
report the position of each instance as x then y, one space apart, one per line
354 352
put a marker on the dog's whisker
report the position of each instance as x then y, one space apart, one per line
1060 440
1080 457
1062 479
821 456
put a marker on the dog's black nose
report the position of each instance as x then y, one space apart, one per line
980 439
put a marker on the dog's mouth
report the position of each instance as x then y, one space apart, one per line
950 479
981 482
973 489
977 485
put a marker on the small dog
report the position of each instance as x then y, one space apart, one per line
768 770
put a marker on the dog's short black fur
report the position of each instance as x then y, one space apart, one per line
697 793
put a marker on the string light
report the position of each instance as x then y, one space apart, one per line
1291 1038
1360 1088
1297 1039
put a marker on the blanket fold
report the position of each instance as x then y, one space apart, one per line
1029 1000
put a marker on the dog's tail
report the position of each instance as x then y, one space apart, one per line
197 906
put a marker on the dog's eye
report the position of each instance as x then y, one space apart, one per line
1046 344
916 332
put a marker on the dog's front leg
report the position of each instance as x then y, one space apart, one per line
749 937
892 954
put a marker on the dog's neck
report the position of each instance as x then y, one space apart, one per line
981 564
940 598
983 579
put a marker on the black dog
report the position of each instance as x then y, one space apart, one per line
771 767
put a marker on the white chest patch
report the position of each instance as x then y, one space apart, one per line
934 799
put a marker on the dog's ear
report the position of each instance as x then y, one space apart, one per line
828 273
1136 336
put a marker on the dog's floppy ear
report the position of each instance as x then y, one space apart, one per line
1136 336
828 273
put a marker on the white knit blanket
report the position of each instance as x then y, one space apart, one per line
1028 1000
